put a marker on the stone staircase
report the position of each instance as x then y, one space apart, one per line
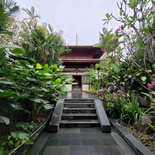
79 112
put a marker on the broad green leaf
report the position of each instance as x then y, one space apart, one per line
6 82
44 89
145 30
119 49
20 134
133 3
30 66
35 89
19 107
20 96
107 15
1 150
5 120
67 50
48 106
17 51
24 125
31 79
48 82
114 77
2 54
140 52
48 74
149 71
14 48
7 93
45 70
38 100
116 68
57 81
134 17
38 66
45 66
29 142
55 66
120 12
144 1
61 67
32 60
143 78
8 72
140 42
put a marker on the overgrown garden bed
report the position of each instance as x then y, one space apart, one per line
30 75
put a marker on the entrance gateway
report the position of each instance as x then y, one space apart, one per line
77 62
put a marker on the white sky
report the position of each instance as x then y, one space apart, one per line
83 17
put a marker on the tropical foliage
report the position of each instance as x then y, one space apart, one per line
108 41
40 41
124 80
29 86
137 30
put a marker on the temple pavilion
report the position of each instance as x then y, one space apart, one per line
77 62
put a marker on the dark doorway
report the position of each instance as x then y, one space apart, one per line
76 83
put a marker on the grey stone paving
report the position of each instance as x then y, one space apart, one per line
80 141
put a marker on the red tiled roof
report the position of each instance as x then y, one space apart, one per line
81 60
83 47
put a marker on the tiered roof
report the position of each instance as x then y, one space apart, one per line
82 54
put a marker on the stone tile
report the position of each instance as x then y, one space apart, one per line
100 136
106 150
76 142
71 130
80 135
82 150
109 142
61 130
57 150
109 150
101 150
52 142
91 142
86 130
60 136
65 142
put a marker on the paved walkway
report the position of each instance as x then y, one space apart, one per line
78 94
80 140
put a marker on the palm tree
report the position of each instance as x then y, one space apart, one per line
10 6
40 41
107 41
31 13
42 45
7 9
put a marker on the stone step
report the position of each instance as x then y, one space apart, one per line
65 108
79 105
81 116
79 100
79 110
79 122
